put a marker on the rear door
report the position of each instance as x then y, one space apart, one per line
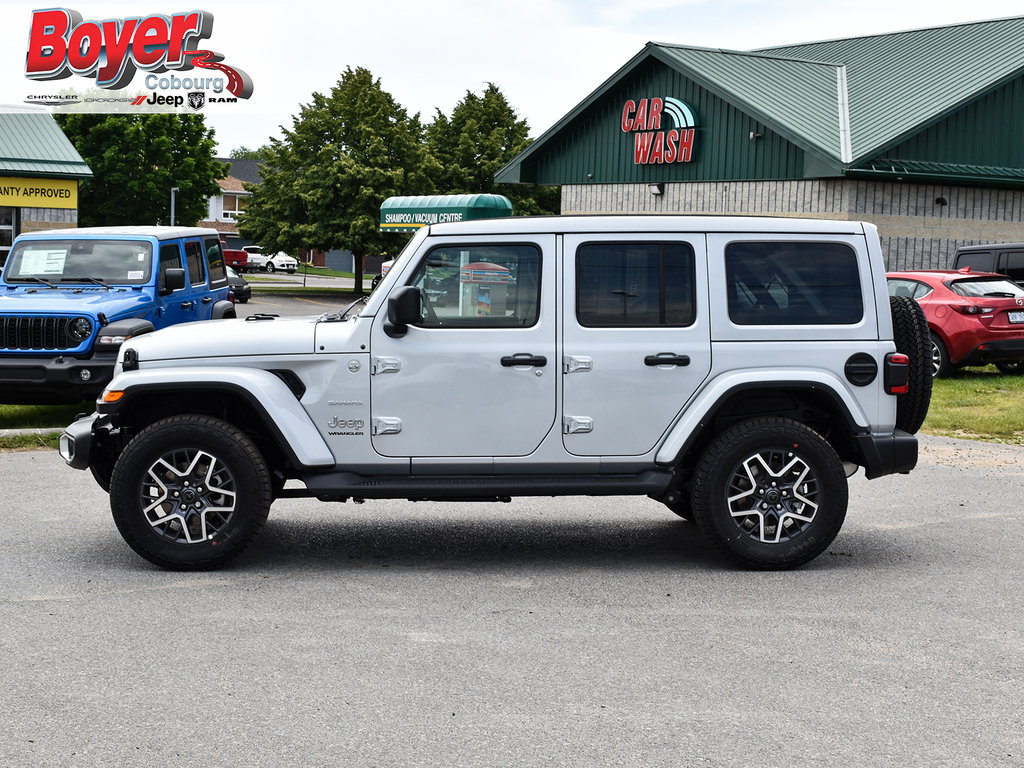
637 338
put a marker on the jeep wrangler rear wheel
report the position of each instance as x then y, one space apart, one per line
190 492
770 492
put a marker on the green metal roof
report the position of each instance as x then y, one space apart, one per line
407 214
902 81
32 144
765 86
843 101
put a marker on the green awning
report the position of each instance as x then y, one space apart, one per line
407 214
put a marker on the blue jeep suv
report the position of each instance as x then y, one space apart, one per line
69 299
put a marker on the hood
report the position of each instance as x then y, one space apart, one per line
40 300
227 338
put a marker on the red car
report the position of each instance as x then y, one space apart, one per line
975 318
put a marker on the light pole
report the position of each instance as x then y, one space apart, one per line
173 190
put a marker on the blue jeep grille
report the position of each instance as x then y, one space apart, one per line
36 333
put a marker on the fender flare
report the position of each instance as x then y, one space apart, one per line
222 310
267 394
720 389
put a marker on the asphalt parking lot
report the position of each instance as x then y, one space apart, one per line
542 632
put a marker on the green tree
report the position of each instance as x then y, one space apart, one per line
244 153
324 181
136 160
482 135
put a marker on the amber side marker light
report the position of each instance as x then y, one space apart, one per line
112 396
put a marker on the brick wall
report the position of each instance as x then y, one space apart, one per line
915 230
39 219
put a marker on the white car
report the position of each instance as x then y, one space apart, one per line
735 369
279 262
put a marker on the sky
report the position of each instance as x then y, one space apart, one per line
546 56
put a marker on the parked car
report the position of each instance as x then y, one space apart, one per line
282 262
241 291
975 318
70 298
236 259
1004 258
263 262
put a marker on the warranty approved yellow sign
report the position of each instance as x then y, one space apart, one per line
38 193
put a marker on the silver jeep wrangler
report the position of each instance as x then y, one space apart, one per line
735 369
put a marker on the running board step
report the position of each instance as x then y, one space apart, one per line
478 487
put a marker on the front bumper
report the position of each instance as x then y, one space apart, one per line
887 454
77 441
58 379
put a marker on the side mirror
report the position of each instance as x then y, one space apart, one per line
403 311
174 280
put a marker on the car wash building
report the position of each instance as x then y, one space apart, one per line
39 175
917 132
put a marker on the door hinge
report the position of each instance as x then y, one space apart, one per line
576 425
385 365
386 425
571 364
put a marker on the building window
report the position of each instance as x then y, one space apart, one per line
6 232
234 205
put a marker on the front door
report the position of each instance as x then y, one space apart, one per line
476 376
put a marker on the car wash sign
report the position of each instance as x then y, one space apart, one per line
663 130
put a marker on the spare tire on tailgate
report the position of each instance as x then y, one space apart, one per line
910 332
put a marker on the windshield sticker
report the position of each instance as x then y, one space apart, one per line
136 274
42 262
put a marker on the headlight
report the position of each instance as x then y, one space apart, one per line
80 328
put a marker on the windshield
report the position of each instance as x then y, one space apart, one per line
93 262
988 287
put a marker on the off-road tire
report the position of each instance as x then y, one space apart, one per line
913 339
190 492
770 493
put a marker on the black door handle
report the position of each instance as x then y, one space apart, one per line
186 305
207 299
666 358
524 358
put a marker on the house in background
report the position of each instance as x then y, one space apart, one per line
232 200
225 207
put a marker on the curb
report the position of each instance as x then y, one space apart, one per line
31 431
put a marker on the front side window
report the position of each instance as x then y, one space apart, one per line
480 286
117 262
793 283
170 258
634 284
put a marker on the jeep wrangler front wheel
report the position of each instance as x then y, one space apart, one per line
770 492
190 492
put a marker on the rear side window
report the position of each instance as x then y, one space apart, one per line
1013 265
634 285
215 262
194 257
793 283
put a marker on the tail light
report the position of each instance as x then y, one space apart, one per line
972 309
897 373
